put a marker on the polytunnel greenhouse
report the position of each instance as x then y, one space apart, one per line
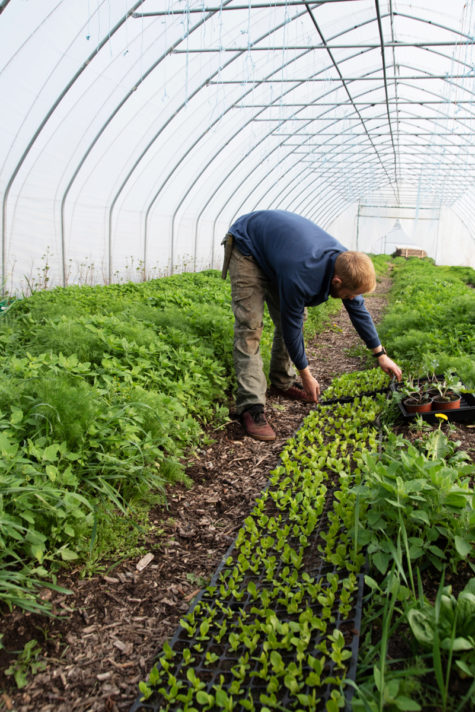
207 503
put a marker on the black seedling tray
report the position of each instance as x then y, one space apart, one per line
255 685
315 567
464 414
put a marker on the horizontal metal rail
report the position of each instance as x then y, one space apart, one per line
436 117
361 78
360 45
248 6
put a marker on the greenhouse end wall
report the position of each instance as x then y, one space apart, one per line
379 230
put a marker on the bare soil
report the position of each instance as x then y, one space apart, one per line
106 634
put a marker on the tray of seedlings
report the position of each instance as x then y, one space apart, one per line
344 388
278 625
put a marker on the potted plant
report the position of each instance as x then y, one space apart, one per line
415 396
448 393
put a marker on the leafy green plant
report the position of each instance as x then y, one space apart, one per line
434 335
415 388
448 629
403 490
27 663
447 386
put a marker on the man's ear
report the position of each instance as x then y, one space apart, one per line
336 281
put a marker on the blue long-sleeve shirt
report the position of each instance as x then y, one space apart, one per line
299 258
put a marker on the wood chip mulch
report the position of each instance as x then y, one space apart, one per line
107 632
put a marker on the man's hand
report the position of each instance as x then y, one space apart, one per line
389 366
310 384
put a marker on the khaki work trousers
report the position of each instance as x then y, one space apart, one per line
250 291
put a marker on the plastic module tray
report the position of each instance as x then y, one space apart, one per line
228 658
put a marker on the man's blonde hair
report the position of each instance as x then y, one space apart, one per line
356 271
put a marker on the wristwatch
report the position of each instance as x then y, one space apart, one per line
380 353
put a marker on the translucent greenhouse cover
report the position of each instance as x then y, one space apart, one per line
134 133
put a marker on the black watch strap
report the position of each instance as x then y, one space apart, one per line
380 353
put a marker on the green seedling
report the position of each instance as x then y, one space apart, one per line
211 658
27 663
338 654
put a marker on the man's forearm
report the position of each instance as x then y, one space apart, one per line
387 364
310 384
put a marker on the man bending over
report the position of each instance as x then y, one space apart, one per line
281 259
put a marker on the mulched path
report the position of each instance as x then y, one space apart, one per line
107 632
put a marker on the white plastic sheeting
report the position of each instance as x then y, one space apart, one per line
133 133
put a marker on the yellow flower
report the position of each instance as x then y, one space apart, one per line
442 416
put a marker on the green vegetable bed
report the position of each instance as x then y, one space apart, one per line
103 393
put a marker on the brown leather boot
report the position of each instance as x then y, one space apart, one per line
255 424
295 392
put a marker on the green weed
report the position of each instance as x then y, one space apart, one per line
27 663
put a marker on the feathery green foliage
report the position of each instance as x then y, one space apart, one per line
430 323
103 393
